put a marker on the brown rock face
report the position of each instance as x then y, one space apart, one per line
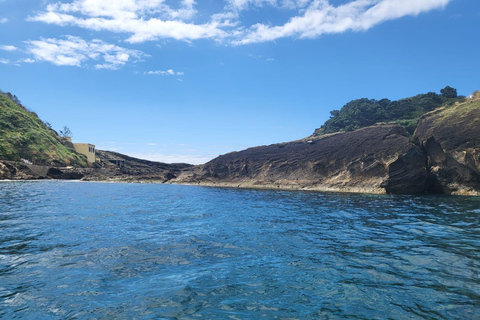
115 166
357 161
450 138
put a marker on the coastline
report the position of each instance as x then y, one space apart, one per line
250 186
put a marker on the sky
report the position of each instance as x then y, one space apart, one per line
186 81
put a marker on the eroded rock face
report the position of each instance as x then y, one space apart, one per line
450 138
407 174
115 166
349 161
64 174
11 170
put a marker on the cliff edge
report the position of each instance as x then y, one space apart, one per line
450 138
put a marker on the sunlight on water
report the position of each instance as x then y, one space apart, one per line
136 251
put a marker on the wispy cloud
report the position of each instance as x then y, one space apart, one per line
28 60
3 20
4 61
147 20
8 48
74 51
143 19
174 158
168 72
323 18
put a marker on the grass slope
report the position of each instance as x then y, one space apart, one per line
24 135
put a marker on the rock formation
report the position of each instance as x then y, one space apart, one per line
356 161
450 138
442 157
114 166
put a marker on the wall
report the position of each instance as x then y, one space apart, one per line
83 148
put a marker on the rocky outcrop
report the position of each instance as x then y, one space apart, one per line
11 170
408 174
65 173
114 166
442 157
359 161
111 166
450 138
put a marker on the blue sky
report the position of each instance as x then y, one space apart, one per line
185 81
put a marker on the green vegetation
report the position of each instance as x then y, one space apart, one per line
24 135
407 112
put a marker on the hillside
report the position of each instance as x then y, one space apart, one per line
24 135
365 112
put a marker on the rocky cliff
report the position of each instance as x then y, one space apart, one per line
114 166
442 157
356 161
111 166
450 139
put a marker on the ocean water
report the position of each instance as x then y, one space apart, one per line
72 250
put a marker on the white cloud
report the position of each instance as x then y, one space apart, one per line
28 60
147 20
3 20
4 61
322 18
74 51
143 19
168 72
8 48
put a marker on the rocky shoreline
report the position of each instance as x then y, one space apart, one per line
443 156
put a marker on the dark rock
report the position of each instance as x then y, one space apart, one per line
407 174
450 138
114 166
349 161
64 174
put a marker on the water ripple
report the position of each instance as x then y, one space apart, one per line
134 251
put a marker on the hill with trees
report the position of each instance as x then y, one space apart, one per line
365 112
24 135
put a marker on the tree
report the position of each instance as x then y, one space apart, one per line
449 92
66 132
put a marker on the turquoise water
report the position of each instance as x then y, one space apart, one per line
136 251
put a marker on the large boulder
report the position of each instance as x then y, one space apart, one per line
450 138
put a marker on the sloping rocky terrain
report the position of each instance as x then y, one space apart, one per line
349 161
442 157
114 166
